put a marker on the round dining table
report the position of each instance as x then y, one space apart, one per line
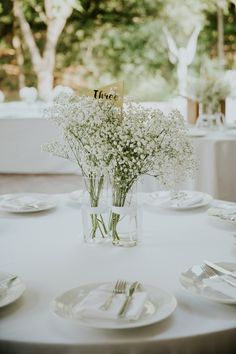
47 252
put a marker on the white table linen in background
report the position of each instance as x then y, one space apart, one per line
47 252
20 152
21 141
216 173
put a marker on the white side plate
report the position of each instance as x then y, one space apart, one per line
14 290
27 202
163 200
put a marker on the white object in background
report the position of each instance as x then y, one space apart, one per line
61 89
28 94
2 97
183 56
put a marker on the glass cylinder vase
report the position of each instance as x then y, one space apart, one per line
210 117
95 210
123 224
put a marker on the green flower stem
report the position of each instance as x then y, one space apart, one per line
119 196
94 188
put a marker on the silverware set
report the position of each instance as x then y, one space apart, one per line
225 275
121 287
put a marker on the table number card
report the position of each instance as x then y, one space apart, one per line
113 92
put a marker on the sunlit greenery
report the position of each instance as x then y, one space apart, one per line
117 39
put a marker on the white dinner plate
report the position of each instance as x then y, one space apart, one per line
195 132
12 292
163 200
224 212
231 133
193 281
159 305
27 202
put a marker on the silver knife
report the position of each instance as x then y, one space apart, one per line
220 269
131 291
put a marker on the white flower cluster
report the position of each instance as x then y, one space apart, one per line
125 145
148 142
85 125
210 90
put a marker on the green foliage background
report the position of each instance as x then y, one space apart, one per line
104 41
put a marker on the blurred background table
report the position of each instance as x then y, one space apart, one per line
217 164
23 131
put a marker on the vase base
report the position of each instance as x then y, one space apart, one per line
95 241
124 243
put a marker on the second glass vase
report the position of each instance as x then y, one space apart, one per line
123 217
95 210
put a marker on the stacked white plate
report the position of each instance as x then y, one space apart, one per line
27 202
183 200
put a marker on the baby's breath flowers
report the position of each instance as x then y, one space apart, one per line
103 140
148 142
210 88
85 125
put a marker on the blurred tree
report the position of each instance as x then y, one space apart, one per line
219 15
17 45
55 17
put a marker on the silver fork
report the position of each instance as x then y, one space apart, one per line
210 272
119 288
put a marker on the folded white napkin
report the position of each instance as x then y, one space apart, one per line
90 306
227 213
219 285
187 201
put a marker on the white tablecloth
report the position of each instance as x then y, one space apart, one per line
47 252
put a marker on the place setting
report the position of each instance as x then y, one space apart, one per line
27 202
115 305
182 200
214 281
224 212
